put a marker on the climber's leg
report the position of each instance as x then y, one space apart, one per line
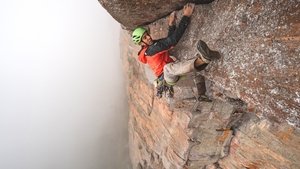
173 71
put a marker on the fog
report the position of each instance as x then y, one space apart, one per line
62 98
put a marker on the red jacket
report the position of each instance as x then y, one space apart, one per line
157 61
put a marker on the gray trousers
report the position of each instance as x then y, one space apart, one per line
173 70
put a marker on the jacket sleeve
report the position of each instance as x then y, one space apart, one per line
171 30
171 40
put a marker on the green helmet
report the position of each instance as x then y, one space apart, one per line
137 35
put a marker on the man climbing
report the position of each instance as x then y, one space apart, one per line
155 52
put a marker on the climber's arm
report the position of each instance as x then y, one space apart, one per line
172 23
172 40
171 30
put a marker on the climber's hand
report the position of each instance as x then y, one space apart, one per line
188 9
172 18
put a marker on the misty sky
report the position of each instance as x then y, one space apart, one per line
62 101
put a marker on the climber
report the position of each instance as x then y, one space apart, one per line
155 52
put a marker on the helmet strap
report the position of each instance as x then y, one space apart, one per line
144 43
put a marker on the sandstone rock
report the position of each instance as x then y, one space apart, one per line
253 121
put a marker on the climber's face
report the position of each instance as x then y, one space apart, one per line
146 39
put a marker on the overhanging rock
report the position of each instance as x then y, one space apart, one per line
134 13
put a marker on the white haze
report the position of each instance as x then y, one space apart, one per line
62 101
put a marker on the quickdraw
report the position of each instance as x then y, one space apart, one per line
163 88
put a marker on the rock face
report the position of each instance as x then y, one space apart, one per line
132 13
253 120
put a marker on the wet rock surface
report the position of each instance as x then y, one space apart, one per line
253 119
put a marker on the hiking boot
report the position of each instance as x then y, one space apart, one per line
206 54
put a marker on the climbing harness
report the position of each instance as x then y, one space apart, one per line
163 88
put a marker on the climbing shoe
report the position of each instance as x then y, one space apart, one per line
206 54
